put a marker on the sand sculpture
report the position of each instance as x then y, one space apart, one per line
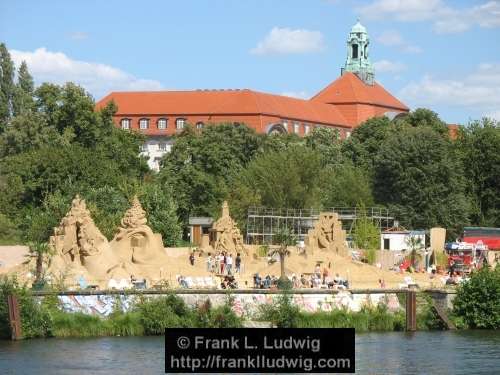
79 246
327 234
81 249
135 241
225 233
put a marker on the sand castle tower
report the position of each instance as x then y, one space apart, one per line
327 234
225 233
135 241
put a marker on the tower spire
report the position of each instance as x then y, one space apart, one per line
358 60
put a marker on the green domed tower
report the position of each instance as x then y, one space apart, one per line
358 60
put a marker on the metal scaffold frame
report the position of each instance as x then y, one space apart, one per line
263 222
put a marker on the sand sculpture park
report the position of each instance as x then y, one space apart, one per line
81 252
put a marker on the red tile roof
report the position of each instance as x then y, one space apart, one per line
349 89
223 102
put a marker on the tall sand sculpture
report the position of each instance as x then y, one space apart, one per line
81 249
327 234
225 233
79 246
135 241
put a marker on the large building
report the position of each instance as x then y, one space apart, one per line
345 103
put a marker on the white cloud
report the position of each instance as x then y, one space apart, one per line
445 19
296 94
386 66
479 90
393 38
286 41
99 79
79 35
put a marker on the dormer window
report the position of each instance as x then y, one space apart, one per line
143 123
125 123
180 123
162 123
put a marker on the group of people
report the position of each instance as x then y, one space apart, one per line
268 282
222 263
228 282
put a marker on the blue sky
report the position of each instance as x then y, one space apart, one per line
439 54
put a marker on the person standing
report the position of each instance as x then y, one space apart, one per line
237 263
191 258
209 262
222 261
229 264
216 262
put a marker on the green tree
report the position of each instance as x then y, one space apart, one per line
420 178
285 238
328 143
22 100
365 141
347 186
366 234
203 164
478 299
6 86
422 117
290 178
39 249
479 145
158 201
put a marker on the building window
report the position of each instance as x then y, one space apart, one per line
354 51
179 123
125 123
143 123
285 125
347 134
162 123
306 129
162 146
200 125
144 147
296 127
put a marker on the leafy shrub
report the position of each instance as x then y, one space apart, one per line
158 313
478 300
35 318
284 284
281 313
263 250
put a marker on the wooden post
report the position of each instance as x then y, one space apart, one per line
411 310
14 317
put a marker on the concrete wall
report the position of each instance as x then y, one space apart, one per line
244 304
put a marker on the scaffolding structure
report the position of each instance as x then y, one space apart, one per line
263 223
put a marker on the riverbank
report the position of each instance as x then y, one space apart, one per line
152 315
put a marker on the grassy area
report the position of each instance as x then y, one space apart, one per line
150 316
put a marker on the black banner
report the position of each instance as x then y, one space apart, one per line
259 350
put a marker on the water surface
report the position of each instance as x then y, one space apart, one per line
454 353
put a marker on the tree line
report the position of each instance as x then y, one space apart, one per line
54 144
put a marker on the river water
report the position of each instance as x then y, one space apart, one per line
454 353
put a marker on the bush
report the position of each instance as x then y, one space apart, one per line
281 313
36 320
160 313
205 316
478 299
